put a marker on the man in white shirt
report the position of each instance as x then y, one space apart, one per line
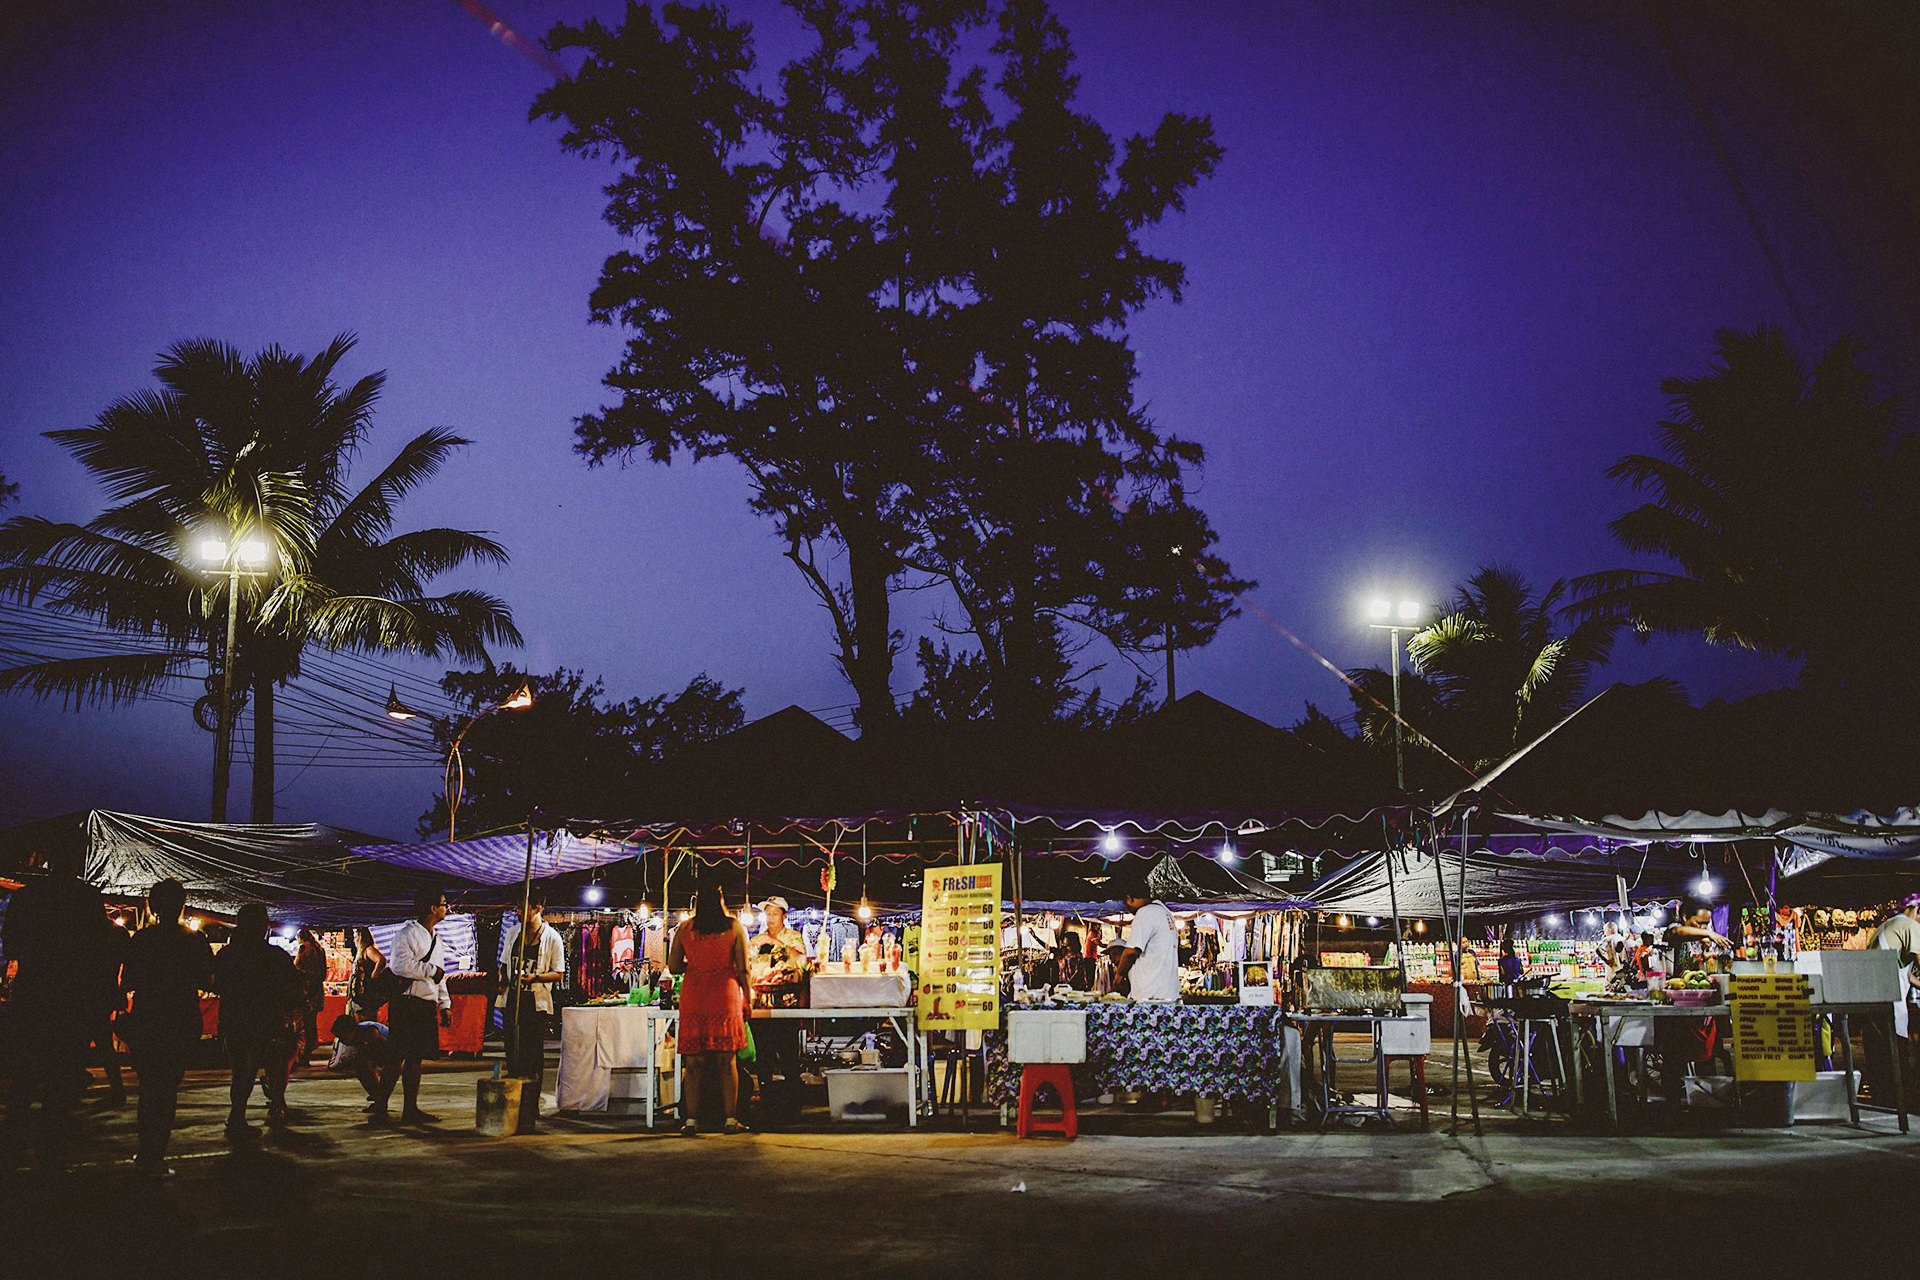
531 1009
1151 958
415 1016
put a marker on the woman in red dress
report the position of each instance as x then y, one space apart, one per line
711 951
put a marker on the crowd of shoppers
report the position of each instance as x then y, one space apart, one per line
80 982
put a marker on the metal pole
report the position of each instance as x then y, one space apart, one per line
223 740
520 954
1393 899
1172 697
1399 761
1460 1022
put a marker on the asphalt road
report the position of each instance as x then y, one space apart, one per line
334 1196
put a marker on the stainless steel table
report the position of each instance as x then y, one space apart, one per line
1612 1014
1318 1028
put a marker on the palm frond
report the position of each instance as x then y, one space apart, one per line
97 680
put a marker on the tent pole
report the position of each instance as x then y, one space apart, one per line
1459 986
1019 897
514 1003
1393 900
1460 1022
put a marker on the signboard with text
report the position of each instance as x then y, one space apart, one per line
1772 1027
959 972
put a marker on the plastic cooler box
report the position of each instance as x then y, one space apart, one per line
1046 1035
874 1092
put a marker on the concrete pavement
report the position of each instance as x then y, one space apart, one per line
605 1198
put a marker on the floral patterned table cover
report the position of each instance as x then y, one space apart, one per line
1221 1051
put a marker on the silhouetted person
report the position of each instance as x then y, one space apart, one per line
109 1000
260 1016
415 1016
311 963
56 927
168 965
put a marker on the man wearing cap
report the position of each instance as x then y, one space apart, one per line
776 969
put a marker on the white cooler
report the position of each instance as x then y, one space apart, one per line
1046 1035
858 990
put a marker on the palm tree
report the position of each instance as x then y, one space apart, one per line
1490 674
240 447
1785 500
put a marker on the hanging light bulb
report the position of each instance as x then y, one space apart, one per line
1705 886
1419 926
644 911
685 916
1227 856
593 895
1112 842
194 923
1372 921
746 917
863 911
1345 921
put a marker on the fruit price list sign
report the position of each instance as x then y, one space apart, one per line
1772 1027
960 949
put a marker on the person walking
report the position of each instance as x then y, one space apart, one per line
260 1017
310 962
415 1016
710 950
55 930
168 965
109 1001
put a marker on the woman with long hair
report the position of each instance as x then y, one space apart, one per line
362 999
711 951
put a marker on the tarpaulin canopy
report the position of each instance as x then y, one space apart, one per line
502 859
1497 884
1894 835
307 872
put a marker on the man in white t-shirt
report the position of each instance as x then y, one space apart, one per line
1151 958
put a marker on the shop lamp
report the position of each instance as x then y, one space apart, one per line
593 895
1705 886
863 911
1419 926
121 921
1112 843
1372 921
1345 921
745 917
1227 856
194 923
1550 919
685 916
289 932
644 911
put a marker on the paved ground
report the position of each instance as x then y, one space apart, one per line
1146 1194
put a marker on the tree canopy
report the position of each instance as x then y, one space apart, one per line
893 287
571 749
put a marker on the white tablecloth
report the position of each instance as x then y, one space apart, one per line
858 990
593 1041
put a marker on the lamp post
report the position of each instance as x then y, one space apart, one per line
1393 620
456 770
217 552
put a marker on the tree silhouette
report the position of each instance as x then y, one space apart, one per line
572 749
238 447
1788 504
899 312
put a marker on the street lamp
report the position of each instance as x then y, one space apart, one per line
456 772
247 559
1393 620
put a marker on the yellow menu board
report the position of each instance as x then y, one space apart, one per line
959 972
1772 1027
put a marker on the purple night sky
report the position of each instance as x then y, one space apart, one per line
1450 254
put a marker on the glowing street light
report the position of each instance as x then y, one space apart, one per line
1403 618
396 709
217 555
456 772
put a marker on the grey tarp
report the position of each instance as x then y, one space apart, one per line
306 873
1497 884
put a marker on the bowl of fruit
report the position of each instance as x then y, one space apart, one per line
1693 988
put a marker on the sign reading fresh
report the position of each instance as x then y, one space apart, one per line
959 971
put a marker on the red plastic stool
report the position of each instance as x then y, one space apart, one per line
1417 1069
1060 1076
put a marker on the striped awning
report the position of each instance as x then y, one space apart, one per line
502 859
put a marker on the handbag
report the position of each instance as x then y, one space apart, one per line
748 1055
